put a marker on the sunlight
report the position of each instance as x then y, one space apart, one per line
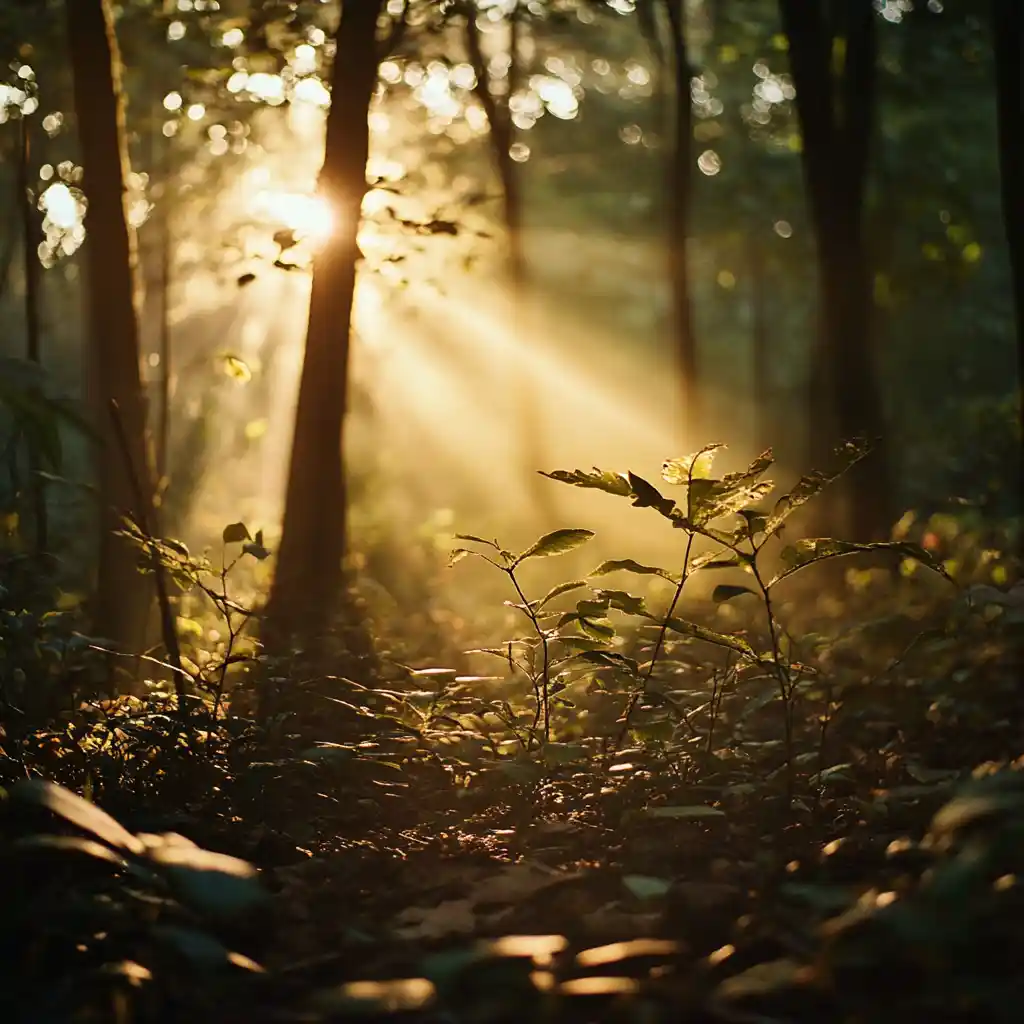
310 217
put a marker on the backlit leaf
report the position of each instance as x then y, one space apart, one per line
734 643
562 588
809 486
628 565
556 543
817 549
727 591
692 467
599 479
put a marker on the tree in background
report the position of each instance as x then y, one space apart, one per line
309 575
1008 42
123 596
676 63
832 56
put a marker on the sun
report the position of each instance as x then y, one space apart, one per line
309 216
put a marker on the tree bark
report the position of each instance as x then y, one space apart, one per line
836 111
123 597
1008 42
680 189
309 578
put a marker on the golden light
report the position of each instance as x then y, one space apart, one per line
310 217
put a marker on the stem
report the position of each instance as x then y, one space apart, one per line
170 633
785 687
658 647
543 697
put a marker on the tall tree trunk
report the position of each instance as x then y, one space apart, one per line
309 578
123 596
502 138
30 238
680 189
836 109
1008 40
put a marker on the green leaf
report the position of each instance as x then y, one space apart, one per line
623 601
599 479
628 565
556 543
817 549
590 608
694 813
693 467
716 560
710 636
610 659
709 499
562 588
477 540
458 554
235 533
727 591
646 495
600 630
582 643
78 812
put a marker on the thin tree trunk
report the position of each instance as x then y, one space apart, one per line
1008 40
836 114
502 138
30 237
680 189
123 596
309 578
164 340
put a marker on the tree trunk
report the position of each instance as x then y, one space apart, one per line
1008 40
680 188
31 235
502 138
309 578
836 111
123 596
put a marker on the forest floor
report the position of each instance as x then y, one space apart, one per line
859 864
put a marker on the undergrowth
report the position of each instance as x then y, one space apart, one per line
792 796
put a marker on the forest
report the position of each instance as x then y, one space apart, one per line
509 508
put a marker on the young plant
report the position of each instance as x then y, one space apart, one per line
540 676
172 559
728 511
